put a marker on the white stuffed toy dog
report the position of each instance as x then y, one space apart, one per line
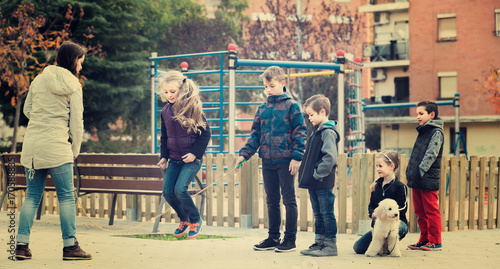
385 232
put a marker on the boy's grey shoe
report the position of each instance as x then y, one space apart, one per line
329 249
318 244
267 244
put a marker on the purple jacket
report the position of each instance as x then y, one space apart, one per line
175 139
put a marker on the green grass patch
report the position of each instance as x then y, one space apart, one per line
171 237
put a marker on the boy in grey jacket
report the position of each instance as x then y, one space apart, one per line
317 174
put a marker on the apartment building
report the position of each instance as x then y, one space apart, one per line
430 50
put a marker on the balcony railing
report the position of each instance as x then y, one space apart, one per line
396 50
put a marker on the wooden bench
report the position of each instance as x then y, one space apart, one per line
103 173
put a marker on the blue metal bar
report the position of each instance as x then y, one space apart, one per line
188 55
250 87
221 100
401 105
213 147
155 138
288 64
197 72
248 71
205 72
201 72
211 109
210 87
204 91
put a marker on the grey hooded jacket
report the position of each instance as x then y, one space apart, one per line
317 170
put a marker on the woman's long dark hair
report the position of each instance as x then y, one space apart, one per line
68 54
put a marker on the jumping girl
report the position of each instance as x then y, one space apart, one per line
387 186
184 138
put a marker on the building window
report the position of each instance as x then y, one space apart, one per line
447 84
447 27
460 148
497 22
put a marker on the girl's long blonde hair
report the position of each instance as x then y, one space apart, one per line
188 107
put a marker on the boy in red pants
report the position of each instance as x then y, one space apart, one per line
422 174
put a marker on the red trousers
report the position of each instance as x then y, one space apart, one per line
426 207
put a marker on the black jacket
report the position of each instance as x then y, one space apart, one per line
317 170
425 180
395 190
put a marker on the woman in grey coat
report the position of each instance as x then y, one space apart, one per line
54 107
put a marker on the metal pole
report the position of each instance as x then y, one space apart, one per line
153 103
232 98
340 102
456 104
288 78
299 48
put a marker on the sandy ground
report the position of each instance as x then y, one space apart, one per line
461 249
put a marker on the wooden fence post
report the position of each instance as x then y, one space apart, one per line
219 173
442 191
356 191
472 192
231 162
254 183
342 193
303 198
245 194
462 191
452 187
498 192
480 199
366 179
491 192
210 190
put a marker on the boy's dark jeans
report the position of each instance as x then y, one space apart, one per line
276 178
322 202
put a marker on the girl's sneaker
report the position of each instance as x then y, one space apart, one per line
182 229
432 247
418 245
195 229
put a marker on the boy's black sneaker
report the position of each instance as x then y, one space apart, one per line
267 244
286 245
23 252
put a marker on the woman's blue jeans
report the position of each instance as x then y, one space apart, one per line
175 189
62 177
363 243
322 202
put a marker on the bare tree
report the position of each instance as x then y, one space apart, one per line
282 33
